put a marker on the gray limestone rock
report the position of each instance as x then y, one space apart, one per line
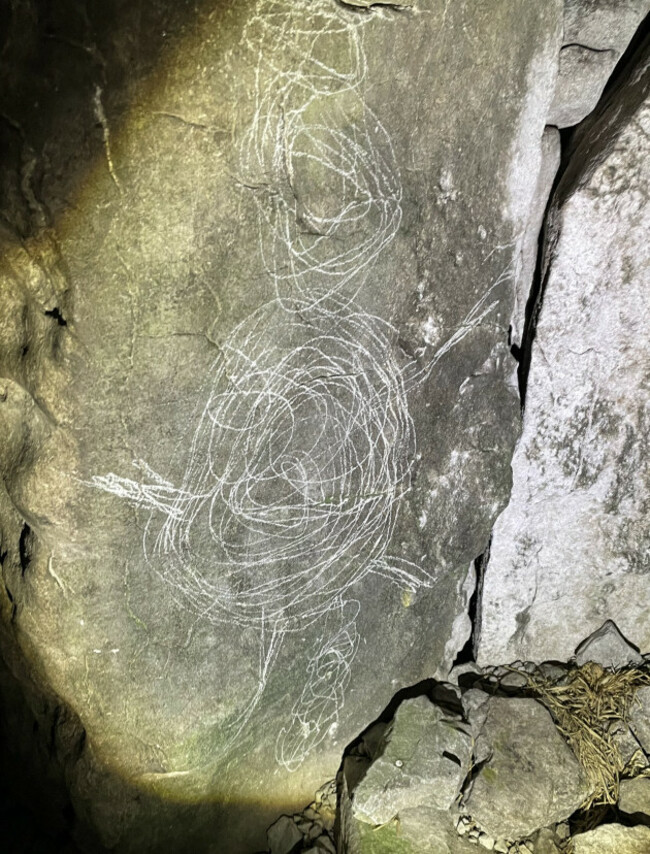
530 245
596 33
607 647
423 763
571 550
423 831
546 842
639 718
530 778
613 839
432 831
284 836
257 411
634 799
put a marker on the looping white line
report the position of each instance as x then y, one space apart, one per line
304 445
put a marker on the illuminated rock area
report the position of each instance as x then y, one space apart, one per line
262 263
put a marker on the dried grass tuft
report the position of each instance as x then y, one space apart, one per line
586 705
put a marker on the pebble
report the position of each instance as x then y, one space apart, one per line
486 841
462 826
563 831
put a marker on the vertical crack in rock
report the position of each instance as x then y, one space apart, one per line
468 653
25 548
565 177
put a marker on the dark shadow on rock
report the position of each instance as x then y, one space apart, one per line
48 782
68 72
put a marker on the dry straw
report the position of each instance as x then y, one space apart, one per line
586 706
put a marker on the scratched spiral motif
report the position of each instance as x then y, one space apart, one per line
303 441
298 462
312 127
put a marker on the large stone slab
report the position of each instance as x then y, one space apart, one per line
258 263
529 778
571 550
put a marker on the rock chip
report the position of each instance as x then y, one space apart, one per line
607 647
546 842
424 761
613 839
531 778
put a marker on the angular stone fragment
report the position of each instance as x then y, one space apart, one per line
613 839
423 764
284 837
531 779
572 548
546 842
607 647
634 799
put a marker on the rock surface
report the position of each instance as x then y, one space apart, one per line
634 799
423 763
639 720
551 151
609 648
571 550
596 33
613 839
423 830
256 273
529 778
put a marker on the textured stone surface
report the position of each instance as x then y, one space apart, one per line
423 831
546 842
639 720
613 839
530 778
530 244
607 647
424 761
596 33
571 550
257 409
634 799
284 837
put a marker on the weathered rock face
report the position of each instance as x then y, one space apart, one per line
235 444
530 778
613 839
607 647
596 33
634 800
423 763
571 550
